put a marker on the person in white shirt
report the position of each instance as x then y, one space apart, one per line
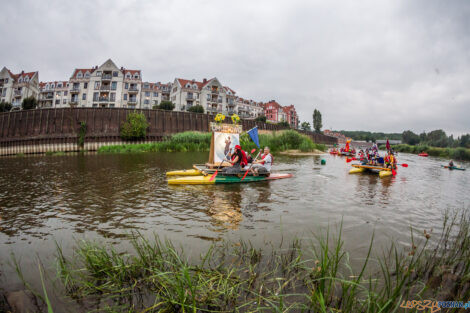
263 166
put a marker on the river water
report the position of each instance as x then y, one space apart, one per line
44 199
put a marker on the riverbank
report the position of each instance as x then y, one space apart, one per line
197 141
313 274
448 153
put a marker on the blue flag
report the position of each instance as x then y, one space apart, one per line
254 135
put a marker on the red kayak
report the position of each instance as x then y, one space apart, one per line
423 154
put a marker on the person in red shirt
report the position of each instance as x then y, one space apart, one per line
238 161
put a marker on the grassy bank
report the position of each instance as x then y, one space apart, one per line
449 153
305 276
195 141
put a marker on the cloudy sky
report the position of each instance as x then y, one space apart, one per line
366 65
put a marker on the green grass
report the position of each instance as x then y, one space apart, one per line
195 141
312 275
449 153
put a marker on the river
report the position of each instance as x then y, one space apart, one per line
44 199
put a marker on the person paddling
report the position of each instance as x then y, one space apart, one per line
263 166
451 163
237 162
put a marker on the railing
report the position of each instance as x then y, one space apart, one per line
103 99
107 77
17 93
75 89
132 101
133 89
105 88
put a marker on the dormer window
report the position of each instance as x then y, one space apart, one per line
188 85
136 76
194 86
128 75
59 86
87 75
20 80
79 75
98 73
26 79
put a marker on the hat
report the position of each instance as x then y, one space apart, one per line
237 147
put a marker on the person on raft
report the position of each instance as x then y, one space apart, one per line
263 166
451 163
237 161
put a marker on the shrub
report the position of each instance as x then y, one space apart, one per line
261 118
5 106
166 105
29 103
135 127
196 109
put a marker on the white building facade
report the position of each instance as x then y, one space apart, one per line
54 94
14 88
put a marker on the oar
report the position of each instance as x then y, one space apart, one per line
252 162
403 164
217 170
350 159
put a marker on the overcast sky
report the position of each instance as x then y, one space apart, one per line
366 65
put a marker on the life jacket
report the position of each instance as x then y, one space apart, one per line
272 158
392 159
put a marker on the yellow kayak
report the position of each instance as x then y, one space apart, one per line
191 172
359 168
220 179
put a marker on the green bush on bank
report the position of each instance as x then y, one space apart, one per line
196 141
135 127
450 153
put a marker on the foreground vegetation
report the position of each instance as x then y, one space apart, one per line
305 276
449 153
196 141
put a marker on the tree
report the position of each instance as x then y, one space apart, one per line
5 106
410 138
29 103
305 126
135 127
464 141
261 118
284 123
437 138
166 105
196 109
317 124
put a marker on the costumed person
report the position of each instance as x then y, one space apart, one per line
228 142
263 166
237 162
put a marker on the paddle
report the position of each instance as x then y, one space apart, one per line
217 170
350 159
403 164
251 163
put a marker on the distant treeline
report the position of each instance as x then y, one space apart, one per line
436 138
370 136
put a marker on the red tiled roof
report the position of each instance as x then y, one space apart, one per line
83 70
231 90
43 84
132 72
183 83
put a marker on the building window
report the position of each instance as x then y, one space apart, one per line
85 85
113 96
155 94
66 93
79 75
113 85
146 86
95 105
98 73
136 76
115 74
87 75
97 85
146 101
128 76
95 96
125 96
6 80
57 101
59 86
58 93
84 96
126 86
147 94
64 101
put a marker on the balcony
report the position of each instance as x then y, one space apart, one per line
107 77
17 93
132 101
75 90
133 89
212 110
104 99
190 98
105 87
74 101
214 91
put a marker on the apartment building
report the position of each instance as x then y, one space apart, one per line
291 116
276 113
54 94
105 86
153 94
249 108
14 88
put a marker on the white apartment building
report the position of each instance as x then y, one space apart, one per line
249 108
54 94
16 87
153 94
105 86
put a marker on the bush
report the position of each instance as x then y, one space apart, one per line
135 127
5 106
166 105
29 103
261 118
284 124
196 109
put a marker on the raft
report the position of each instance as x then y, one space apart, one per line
423 154
453 167
359 168
220 179
191 172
